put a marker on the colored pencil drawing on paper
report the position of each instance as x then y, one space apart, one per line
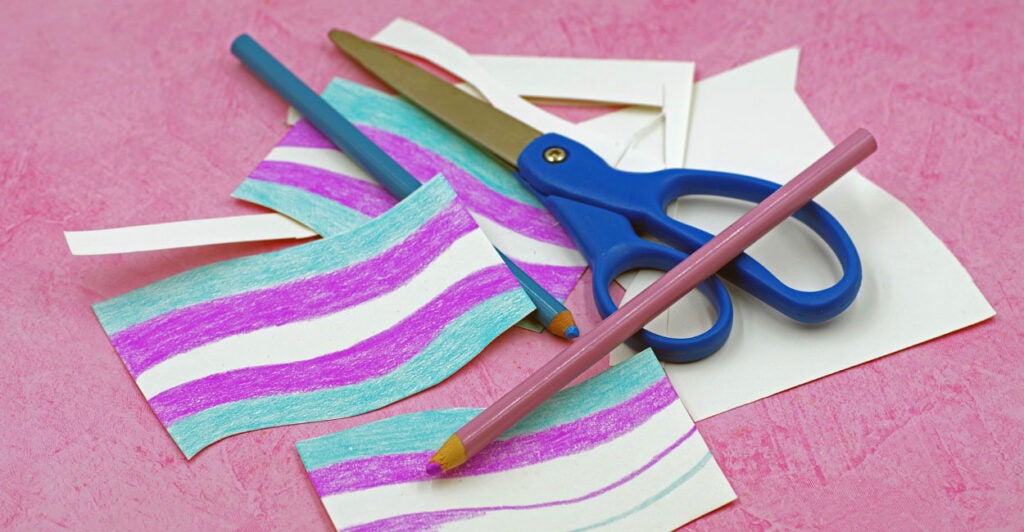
328 329
307 178
616 450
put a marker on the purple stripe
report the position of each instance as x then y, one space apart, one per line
372 200
423 164
515 452
304 135
431 520
148 343
356 194
557 280
371 358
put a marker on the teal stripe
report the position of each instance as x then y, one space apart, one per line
457 344
363 105
657 496
322 215
270 269
424 431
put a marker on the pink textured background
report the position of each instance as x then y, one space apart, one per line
118 113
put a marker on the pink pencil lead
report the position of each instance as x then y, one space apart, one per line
433 468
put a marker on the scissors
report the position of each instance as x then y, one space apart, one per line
605 210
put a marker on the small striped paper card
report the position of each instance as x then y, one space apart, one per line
616 451
328 329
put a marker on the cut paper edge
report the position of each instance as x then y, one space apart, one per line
664 85
188 233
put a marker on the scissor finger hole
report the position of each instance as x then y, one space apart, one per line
687 317
794 253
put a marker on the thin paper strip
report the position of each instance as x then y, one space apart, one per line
187 233
617 451
328 329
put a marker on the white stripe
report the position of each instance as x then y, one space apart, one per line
523 248
308 339
328 159
558 479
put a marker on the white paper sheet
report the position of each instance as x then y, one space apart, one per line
751 121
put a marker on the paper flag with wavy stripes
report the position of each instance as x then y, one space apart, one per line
308 179
328 329
617 451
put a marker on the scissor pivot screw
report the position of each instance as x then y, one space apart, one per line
555 155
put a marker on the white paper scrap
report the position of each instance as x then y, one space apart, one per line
665 85
751 121
246 228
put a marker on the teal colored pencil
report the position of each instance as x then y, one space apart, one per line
552 314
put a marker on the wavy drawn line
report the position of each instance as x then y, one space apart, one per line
431 520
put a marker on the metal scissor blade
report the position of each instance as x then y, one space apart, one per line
496 131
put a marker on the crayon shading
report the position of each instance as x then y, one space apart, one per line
328 329
307 178
618 450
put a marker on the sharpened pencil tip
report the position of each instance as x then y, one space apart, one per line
451 455
433 468
572 332
564 325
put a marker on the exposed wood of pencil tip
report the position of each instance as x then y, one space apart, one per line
564 325
451 455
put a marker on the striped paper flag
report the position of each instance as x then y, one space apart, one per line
618 451
308 179
328 329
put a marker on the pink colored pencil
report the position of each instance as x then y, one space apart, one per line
631 317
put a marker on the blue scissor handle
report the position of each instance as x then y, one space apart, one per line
609 243
553 166
746 272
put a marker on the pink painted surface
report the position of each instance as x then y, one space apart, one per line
116 115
